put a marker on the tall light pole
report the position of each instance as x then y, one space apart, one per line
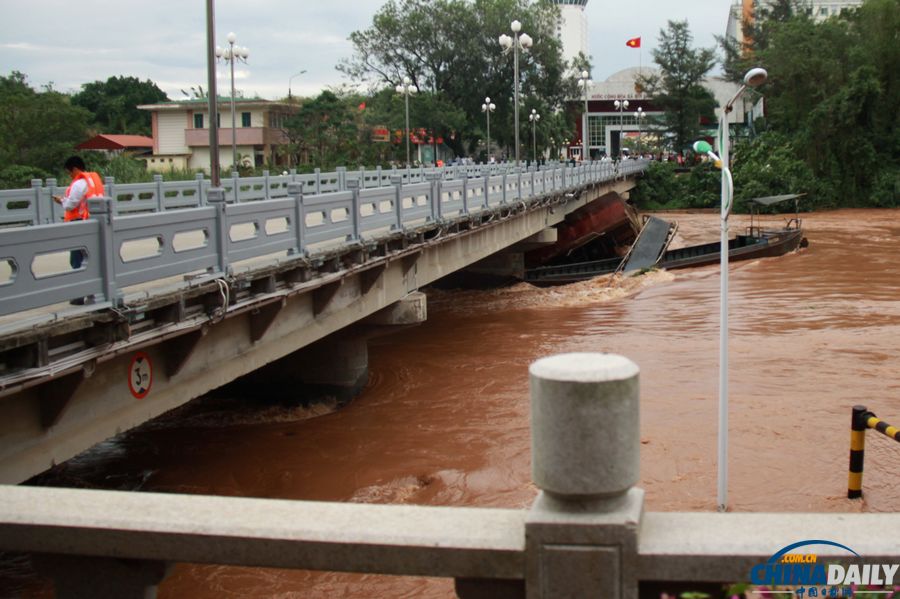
584 83
753 78
231 54
212 99
534 117
487 108
523 41
621 106
406 89
639 115
297 74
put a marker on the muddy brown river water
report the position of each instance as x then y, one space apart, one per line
444 419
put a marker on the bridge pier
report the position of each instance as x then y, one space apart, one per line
336 366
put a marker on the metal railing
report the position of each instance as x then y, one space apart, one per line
123 249
585 535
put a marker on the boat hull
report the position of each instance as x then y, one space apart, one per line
743 247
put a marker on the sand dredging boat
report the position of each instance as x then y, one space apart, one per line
651 248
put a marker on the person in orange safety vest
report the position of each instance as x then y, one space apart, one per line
85 185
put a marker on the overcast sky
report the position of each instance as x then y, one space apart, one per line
164 40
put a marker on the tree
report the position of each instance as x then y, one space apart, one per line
324 131
678 90
114 104
38 130
449 48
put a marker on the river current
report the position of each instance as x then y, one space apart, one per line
444 418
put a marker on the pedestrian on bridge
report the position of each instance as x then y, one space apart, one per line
85 184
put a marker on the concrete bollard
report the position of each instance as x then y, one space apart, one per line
581 534
585 424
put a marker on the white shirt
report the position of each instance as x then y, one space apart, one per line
76 194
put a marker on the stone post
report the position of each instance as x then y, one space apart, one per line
295 192
437 207
101 211
581 531
397 182
38 198
160 194
353 185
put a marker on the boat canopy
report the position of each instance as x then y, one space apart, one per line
769 200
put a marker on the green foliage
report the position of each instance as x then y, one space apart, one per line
836 108
449 48
37 129
663 187
16 176
771 165
114 103
678 91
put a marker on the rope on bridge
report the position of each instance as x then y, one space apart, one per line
862 419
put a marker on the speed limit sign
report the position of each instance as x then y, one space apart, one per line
140 375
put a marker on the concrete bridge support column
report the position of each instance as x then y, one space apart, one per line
336 366
83 577
582 531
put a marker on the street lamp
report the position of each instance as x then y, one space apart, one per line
640 115
621 106
584 83
524 42
297 74
534 117
230 55
754 78
406 89
487 108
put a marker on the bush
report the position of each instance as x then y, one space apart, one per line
16 176
662 188
770 165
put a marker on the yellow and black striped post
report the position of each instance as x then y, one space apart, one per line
872 421
861 420
857 451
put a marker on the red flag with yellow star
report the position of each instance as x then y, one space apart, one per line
634 42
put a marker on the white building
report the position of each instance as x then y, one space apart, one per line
571 29
607 125
181 133
742 10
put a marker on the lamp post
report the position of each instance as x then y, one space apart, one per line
406 89
621 106
534 117
754 78
584 83
487 108
230 55
523 41
640 115
297 74
212 99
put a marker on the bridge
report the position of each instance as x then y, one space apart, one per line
190 288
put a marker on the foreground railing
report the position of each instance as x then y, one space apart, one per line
121 250
585 535
35 205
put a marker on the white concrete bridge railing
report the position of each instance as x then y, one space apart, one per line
167 239
586 534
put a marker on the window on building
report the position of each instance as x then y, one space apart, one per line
245 119
219 120
823 11
198 121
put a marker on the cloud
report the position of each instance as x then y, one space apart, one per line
165 41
